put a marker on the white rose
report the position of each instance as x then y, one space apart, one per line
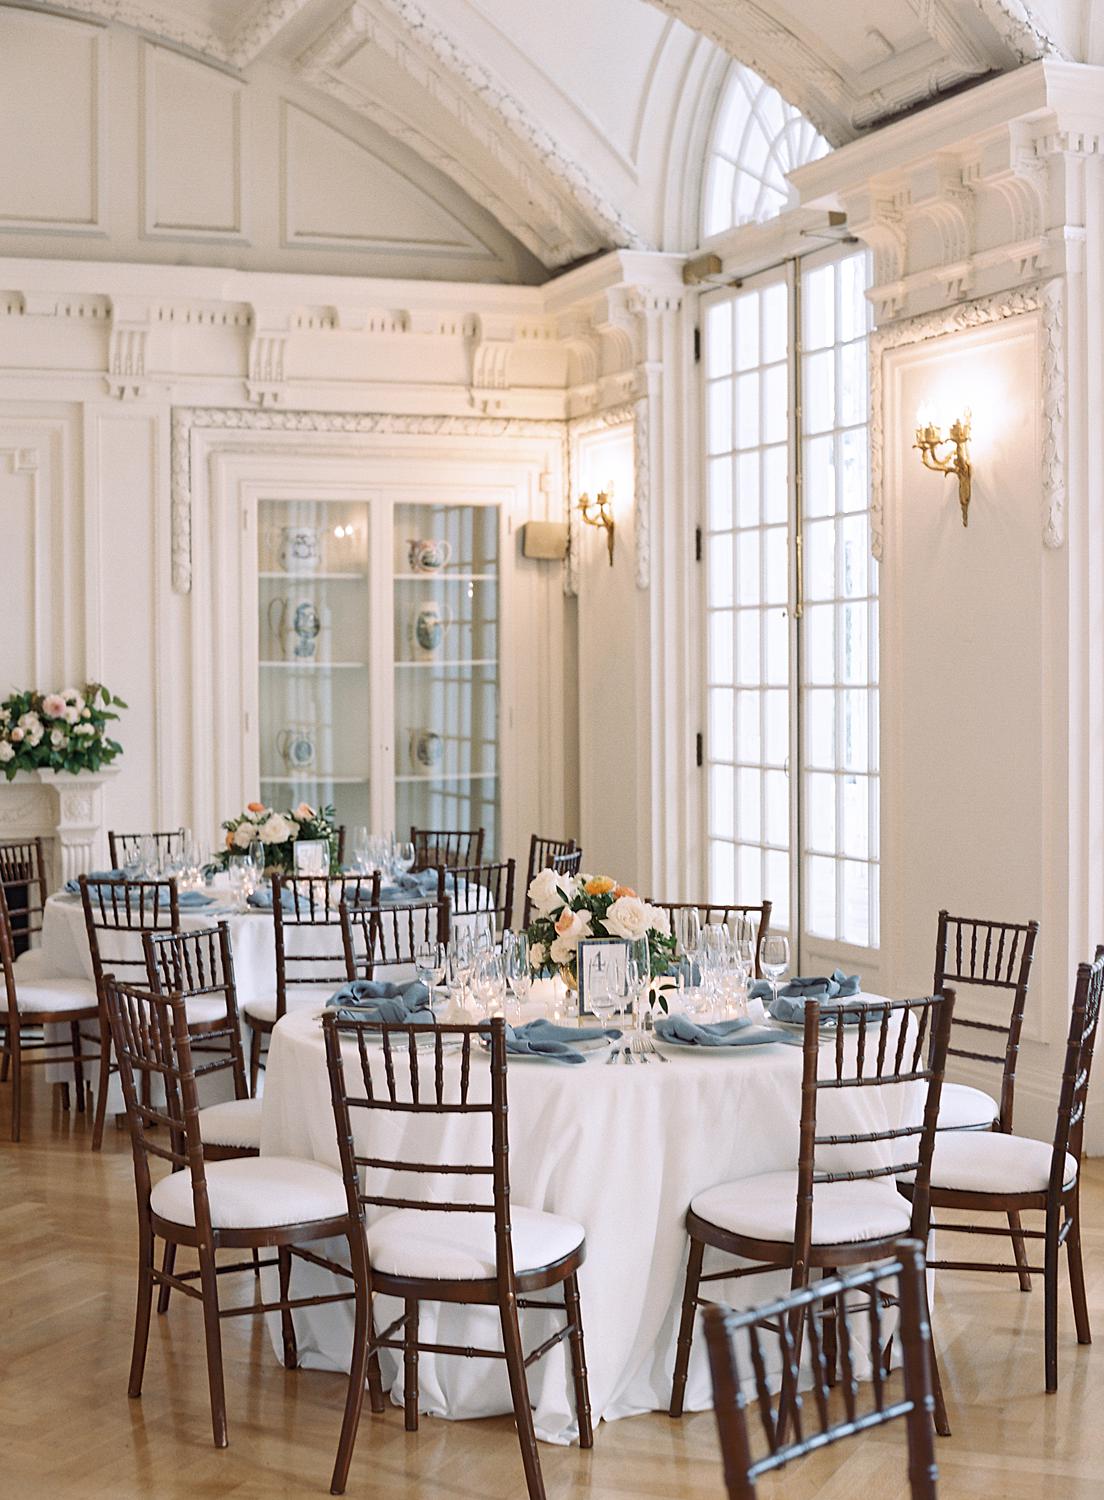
85 729
72 715
547 893
628 917
244 835
71 695
58 738
561 952
659 919
6 751
538 953
276 829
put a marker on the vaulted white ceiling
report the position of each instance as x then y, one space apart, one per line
573 123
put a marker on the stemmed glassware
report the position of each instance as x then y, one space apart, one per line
489 983
402 859
463 964
240 870
601 997
431 961
257 863
519 976
775 961
637 980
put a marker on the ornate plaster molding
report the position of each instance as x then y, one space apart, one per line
642 493
186 420
1044 298
1019 29
554 207
169 22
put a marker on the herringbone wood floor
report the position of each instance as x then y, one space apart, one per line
67 1246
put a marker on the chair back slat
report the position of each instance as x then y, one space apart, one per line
1077 1071
398 1077
117 913
568 863
758 914
476 888
24 884
193 964
987 954
453 847
123 847
7 960
837 1300
150 1036
385 936
542 851
306 911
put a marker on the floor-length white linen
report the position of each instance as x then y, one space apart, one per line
622 1149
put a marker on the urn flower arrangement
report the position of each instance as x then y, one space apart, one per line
65 731
278 832
568 908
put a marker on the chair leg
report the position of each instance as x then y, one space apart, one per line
829 1338
1019 1250
578 1361
291 1353
686 1326
5 1056
410 1368
1077 1273
519 1390
101 1094
78 1065
789 1398
167 1265
142 1310
209 1286
17 1082
1050 1295
254 1060
256 1265
358 1369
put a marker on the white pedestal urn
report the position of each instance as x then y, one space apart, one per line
79 825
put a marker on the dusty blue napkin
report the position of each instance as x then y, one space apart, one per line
378 1000
681 1031
94 876
414 886
186 899
262 899
541 1038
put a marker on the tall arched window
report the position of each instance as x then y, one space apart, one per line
757 139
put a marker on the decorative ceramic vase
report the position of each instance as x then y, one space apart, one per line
297 625
431 621
300 549
428 554
427 748
296 747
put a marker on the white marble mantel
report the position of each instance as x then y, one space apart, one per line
64 808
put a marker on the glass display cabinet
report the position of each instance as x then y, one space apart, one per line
378 672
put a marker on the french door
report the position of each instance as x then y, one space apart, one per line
791 627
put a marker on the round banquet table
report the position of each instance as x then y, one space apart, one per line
620 1148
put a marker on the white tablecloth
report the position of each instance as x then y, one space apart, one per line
622 1149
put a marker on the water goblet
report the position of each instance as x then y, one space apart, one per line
519 975
360 843
601 997
490 983
148 861
775 961
430 960
403 858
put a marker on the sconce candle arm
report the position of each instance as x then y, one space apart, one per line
930 439
599 512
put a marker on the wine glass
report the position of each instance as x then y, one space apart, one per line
637 979
519 976
490 983
257 861
688 931
430 961
148 862
463 962
775 960
362 849
600 996
403 857
240 869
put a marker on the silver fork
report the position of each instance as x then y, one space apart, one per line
649 1043
639 1047
614 1050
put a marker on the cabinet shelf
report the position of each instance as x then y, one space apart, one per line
450 776
446 577
315 666
312 778
313 577
476 661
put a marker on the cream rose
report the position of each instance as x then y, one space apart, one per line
17 735
244 835
276 829
53 706
538 953
562 952
85 729
628 917
547 893
6 751
570 927
58 738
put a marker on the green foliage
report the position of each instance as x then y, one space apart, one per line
65 731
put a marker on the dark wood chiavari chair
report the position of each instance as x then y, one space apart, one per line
123 847
828 1311
475 888
489 1252
33 1005
567 864
210 1205
117 915
442 846
542 851
310 958
995 1172
891 1043
25 885
758 914
386 936
991 955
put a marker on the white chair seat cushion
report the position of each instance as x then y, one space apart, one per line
985 1161
234 1122
42 995
763 1207
964 1108
202 1009
255 1192
461 1247
298 997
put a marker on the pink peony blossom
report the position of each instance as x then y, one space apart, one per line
54 706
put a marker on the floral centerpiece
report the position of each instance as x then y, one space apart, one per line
279 832
66 731
570 907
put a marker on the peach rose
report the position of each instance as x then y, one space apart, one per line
599 885
623 890
254 807
229 840
304 811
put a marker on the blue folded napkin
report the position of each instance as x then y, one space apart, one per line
378 1000
186 899
541 1038
261 899
94 876
683 1032
828 989
414 886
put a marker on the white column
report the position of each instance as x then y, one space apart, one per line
80 832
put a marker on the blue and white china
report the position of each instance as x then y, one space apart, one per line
300 548
428 554
431 621
296 747
427 748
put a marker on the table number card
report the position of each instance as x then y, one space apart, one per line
601 963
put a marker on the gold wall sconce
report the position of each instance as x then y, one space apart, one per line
929 439
599 512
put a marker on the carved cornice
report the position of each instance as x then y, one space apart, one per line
555 209
187 420
1043 298
170 22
